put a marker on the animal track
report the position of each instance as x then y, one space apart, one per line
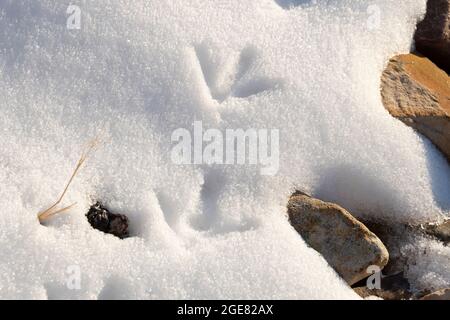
209 198
168 209
288 4
116 288
211 218
230 77
224 75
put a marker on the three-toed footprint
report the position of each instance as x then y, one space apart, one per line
233 76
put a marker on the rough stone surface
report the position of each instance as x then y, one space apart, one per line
439 231
443 294
364 292
417 92
432 37
348 246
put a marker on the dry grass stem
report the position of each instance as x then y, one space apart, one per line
52 210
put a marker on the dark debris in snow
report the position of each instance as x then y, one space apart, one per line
102 219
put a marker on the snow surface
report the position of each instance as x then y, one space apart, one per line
138 70
428 264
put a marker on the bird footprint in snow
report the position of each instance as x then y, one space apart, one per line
230 76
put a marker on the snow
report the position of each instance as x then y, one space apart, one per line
428 265
138 70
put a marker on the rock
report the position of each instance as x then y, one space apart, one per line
395 287
365 292
433 33
400 240
101 219
348 246
417 92
443 294
439 231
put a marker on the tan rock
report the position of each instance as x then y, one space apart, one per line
432 37
348 246
417 92
439 231
443 294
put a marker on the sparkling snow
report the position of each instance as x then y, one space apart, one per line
138 70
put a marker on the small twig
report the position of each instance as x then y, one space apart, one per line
48 214
51 211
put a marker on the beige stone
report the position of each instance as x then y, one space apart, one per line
417 92
348 246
